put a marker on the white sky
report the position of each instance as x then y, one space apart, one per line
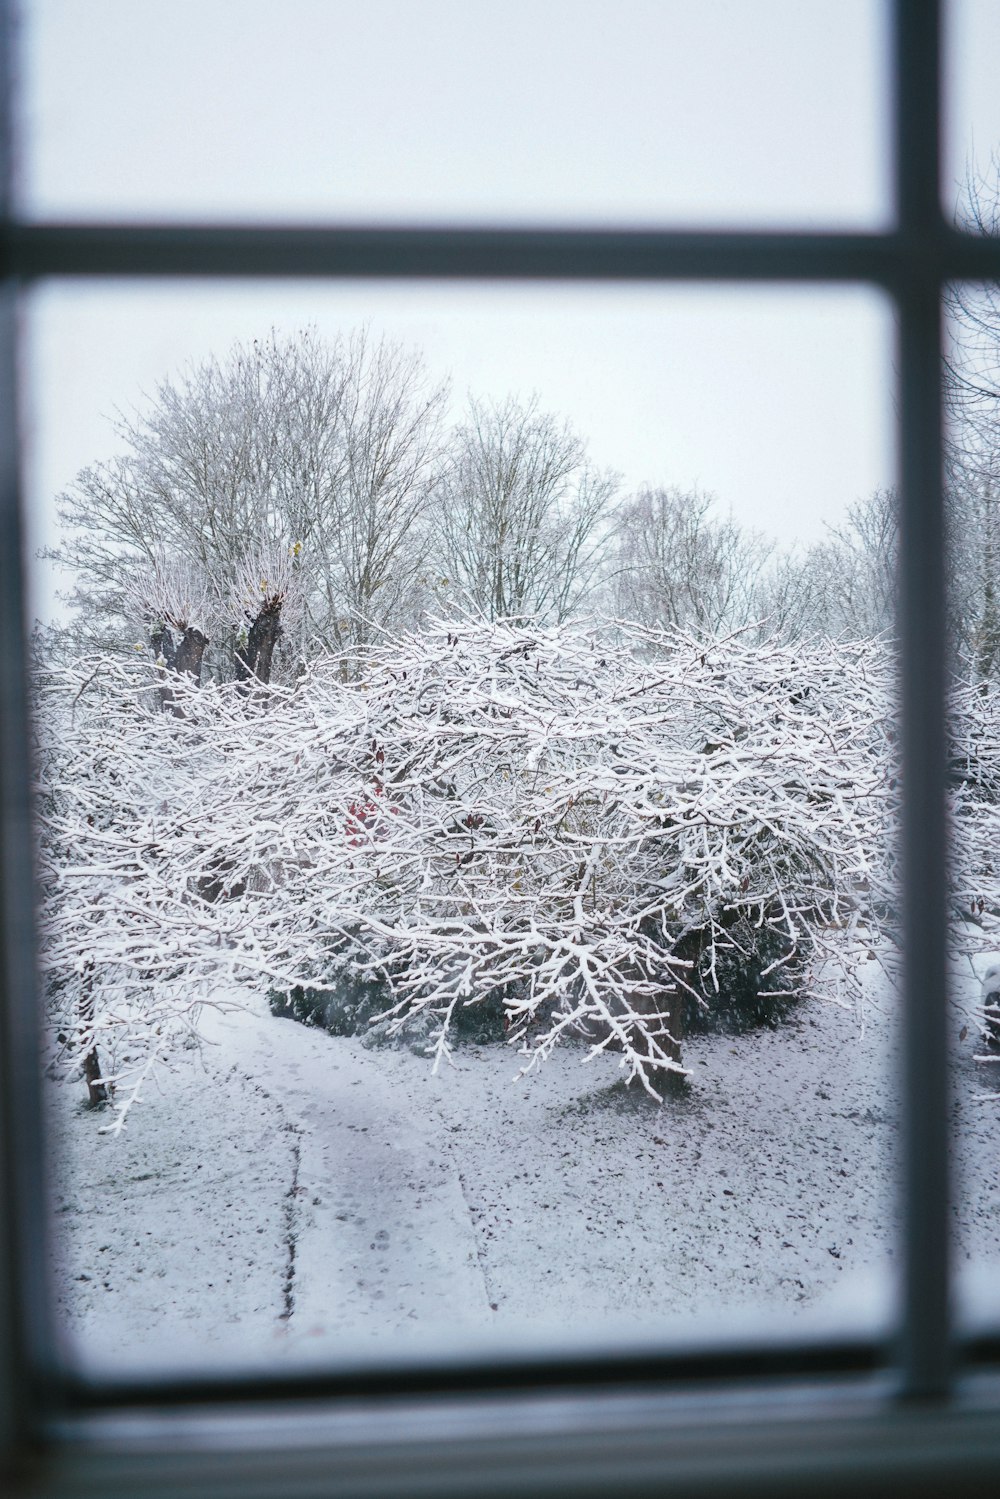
764 112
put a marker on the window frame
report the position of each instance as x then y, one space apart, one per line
918 1414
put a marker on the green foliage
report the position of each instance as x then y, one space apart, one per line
751 982
355 1006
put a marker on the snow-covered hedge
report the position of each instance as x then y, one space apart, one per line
975 806
592 835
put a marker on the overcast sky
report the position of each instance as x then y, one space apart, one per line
763 112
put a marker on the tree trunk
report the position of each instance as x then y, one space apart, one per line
179 659
190 653
665 1005
254 664
988 634
669 1006
97 1089
162 642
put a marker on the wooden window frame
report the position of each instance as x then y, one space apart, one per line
919 1414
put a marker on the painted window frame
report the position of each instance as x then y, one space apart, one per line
919 1414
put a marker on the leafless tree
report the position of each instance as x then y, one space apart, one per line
172 603
370 555
846 584
521 519
172 600
263 602
677 564
972 383
324 449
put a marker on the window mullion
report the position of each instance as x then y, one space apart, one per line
19 1145
925 1351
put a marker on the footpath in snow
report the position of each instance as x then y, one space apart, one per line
288 1193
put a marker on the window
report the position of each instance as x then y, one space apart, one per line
919 1416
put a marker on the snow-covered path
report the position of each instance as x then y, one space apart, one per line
294 1193
378 1230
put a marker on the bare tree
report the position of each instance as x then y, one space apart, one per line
972 383
369 556
327 449
263 602
974 538
521 514
172 601
846 584
677 565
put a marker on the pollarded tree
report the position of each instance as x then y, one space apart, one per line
522 514
326 450
180 610
262 605
172 601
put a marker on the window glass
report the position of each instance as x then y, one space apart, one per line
973 382
971 113
649 818
637 112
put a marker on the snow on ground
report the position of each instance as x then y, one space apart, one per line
288 1192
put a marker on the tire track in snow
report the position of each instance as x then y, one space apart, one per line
482 1257
291 1224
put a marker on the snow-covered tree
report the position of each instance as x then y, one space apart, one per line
289 444
521 517
676 563
845 584
593 838
972 384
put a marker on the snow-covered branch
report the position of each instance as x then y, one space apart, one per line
601 841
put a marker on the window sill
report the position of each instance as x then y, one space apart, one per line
851 1436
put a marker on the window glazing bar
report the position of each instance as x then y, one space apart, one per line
8 1308
23 1300
35 251
925 1352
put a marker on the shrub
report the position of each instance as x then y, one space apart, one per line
483 828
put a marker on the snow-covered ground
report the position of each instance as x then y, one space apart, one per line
285 1192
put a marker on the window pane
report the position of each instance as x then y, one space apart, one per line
971 499
971 136
635 112
596 781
